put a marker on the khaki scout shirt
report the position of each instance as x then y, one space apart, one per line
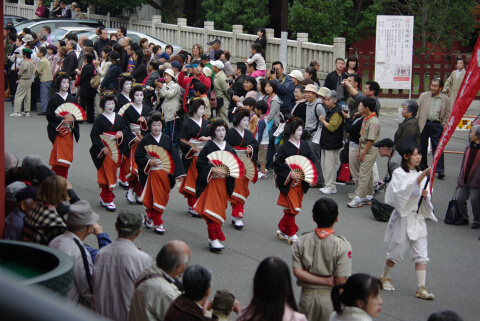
371 131
435 108
323 257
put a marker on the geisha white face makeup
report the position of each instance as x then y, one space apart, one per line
298 133
127 85
64 85
138 97
244 123
156 128
220 133
109 107
200 111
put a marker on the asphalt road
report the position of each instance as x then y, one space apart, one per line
452 273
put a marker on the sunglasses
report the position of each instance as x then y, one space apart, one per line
192 65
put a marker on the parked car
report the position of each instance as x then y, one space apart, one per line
12 19
59 33
136 36
36 25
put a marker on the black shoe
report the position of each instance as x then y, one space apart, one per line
41 114
462 222
475 226
441 175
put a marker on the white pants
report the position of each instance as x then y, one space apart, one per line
418 250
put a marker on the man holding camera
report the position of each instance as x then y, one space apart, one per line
284 84
195 69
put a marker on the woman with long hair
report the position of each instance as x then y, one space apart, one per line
110 81
197 51
351 65
358 299
273 297
311 73
407 229
140 70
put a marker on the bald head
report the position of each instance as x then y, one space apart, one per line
126 41
173 258
81 39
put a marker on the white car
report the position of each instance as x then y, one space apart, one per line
59 33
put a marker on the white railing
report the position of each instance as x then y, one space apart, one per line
299 52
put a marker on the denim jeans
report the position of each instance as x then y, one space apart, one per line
45 94
172 129
271 147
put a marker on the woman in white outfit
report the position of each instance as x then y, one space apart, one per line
407 229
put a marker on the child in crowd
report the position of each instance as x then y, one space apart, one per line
257 57
200 91
261 136
223 304
249 104
320 260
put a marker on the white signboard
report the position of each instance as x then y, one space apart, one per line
394 50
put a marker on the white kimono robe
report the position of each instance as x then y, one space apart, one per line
403 193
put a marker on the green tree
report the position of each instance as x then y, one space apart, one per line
225 13
438 23
323 20
114 6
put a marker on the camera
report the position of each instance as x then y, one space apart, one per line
272 71
229 81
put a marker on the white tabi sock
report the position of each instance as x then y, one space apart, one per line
421 276
386 271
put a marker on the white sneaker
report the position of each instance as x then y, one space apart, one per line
356 202
352 195
292 239
366 201
16 115
327 191
111 207
148 221
160 229
215 245
130 196
26 114
262 175
237 222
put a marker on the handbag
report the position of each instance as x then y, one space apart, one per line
452 210
95 81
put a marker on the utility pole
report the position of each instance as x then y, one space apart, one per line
284 34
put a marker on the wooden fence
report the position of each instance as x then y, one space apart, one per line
424 69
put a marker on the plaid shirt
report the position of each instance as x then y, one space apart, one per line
42 225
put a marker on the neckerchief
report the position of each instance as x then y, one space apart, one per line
324 232
365 121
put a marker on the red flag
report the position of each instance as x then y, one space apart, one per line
468 90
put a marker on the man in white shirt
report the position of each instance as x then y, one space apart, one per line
117 267
80 221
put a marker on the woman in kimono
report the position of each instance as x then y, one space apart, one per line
246 146
157 182
195 130
135 117
407 229
111 124
288 182
212 187
61 130
123 98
